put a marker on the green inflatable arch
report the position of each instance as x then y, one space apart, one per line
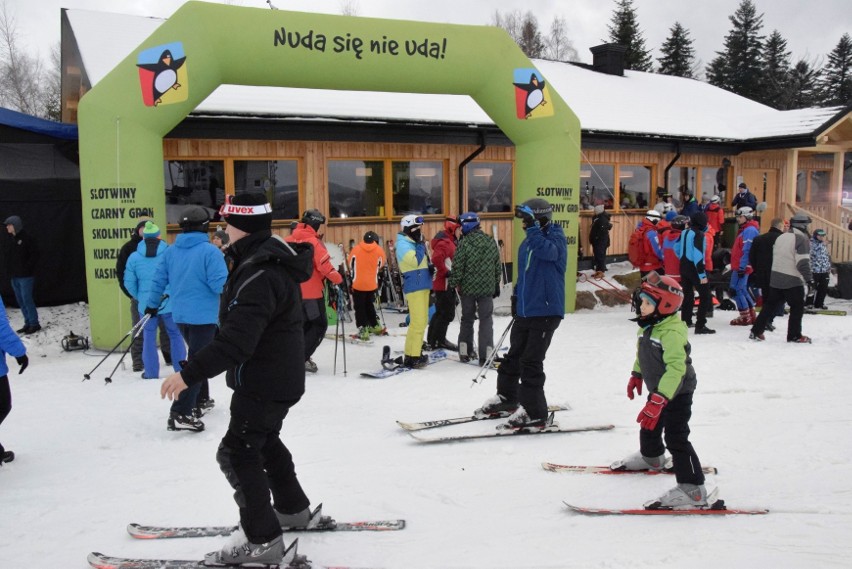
123 119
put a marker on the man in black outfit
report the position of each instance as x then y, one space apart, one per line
260 343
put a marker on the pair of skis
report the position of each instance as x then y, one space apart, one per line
291 560
714 507
413 428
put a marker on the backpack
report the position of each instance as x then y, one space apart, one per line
636 246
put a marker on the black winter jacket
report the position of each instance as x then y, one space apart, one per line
599 233
20 255
760 258
260 342
124 253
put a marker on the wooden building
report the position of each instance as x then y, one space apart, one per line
365 158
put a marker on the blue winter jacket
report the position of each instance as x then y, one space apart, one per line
195 272
413 263
9 341
542 260
139 275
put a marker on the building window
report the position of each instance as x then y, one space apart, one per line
709 183
418 187
193 182
363 188
356 188
634 186
682 179
813 186
596 183
277 179
489 186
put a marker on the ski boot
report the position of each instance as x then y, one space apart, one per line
800 340
520 421
636 462
310 366
681 497
244 552
179 422
415 362
364 334
496 406
306 519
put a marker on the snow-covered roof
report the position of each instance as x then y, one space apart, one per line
644 104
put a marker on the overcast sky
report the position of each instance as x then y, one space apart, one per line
812 27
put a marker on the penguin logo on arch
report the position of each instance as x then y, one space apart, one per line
532 98
163 75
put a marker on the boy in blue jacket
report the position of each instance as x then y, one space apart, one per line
664 365
538 307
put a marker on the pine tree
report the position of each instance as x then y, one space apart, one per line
625 31
678 54
776 72
837 74
803 87
739 68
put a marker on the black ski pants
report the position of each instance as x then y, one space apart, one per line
795 297
316 324
599 251
821 283
256 462
690 281
445 312
365 308
674 421
529 340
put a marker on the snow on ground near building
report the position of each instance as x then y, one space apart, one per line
773 417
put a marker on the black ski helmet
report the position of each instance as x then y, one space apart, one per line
679 222
313 218
542 210
194 218
800 221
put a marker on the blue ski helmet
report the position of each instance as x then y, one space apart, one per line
469 221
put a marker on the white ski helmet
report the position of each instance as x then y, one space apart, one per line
411 221
653 215
745 212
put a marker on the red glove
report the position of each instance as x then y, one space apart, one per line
634 384
650 414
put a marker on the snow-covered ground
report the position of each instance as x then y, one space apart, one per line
774 418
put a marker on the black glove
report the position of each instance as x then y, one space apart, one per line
151 311
514 305
741 273
432 270
496 291
23 361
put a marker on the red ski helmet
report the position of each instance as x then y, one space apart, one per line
664 291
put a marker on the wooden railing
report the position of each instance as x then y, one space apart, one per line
838 237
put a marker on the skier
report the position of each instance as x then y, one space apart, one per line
21 256
124 253
260 345
313 303
417 284
138 279
10 344
599 238
443 250
644 248
477 275
365 260
670 242
715 217
195 271
538 307
740 267
664 365
821 265
744 198
760 258
791 271
692 252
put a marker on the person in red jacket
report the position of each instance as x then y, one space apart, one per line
443 250
313 304
715 215
671 262
365 261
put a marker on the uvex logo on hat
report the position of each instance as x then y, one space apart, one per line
231 209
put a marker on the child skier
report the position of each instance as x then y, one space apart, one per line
664 364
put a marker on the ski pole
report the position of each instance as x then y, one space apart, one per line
114 348
491 357
336 338
144 320
340 300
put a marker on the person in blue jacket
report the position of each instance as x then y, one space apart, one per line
195 272
538 307
12 345
138 277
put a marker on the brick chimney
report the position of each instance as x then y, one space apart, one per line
608 58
